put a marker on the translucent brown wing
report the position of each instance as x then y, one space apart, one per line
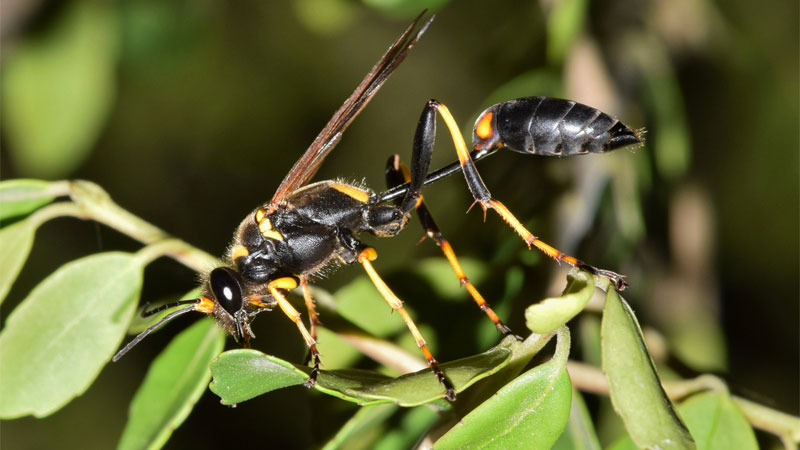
326 140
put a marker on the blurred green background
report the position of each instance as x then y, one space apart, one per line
190 112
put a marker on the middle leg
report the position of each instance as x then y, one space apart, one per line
365 257
396 174
313 317
275 288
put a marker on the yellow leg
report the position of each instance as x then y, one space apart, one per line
365 258
313 318
484 199
432 230
290 283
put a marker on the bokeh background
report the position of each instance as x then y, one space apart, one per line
189 113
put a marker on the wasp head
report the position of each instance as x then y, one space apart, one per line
231 308
224 297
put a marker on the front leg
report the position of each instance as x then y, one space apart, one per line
275 288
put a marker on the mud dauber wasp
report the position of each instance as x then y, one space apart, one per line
305 228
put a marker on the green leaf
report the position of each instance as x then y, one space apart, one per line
623 443
563 24
363 428
405 7
15 244
521 356
579 434
443 281
670 139
589 337
175 381
529 412
240 375
338 352
609 424
716 422
21 197
551 313
695 335
486 334
58 88
325 16
422 387
634 386
360 303
55 343
412 425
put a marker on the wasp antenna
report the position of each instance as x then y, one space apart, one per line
150 329
158 309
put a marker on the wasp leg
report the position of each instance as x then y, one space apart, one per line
261 303
397 173
367 255
400 190
290 283
426 131
313 317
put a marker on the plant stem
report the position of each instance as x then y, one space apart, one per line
92 202
385 352
769 419
561 354
591 379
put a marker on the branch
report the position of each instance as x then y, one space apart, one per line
90 201
787 427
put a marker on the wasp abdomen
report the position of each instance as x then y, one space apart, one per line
550 126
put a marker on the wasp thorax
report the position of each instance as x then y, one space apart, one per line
227 289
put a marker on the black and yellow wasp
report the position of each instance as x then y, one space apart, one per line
307 227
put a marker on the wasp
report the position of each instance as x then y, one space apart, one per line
306 228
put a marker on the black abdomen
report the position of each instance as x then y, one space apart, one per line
550 126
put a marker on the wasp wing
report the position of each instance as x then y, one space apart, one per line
326 140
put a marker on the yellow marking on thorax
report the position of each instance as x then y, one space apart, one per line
265 227
352 192
239 251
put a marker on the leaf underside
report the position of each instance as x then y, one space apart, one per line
240 375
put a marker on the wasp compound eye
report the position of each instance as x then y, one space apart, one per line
227 289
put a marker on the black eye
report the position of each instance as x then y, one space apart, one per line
226 288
